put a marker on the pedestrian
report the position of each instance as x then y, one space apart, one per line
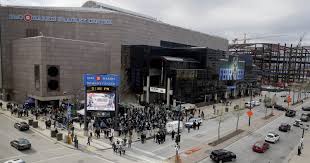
72 136
1 105
299 150
120 150
202 115
188 129
91 135
76 142
194 125
54 123
88 140
80 123
198 124
129 143
172 134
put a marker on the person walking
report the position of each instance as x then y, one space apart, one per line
88 140
198 124
129 143
76 142
188 129
172 134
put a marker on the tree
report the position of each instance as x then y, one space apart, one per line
237 112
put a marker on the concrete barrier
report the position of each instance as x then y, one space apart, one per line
30 122
59 136
53 133
35 124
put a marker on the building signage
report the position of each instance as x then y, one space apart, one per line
158 90
231 69
28 18
101 80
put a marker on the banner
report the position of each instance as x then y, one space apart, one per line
101 101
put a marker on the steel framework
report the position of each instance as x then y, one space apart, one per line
278 64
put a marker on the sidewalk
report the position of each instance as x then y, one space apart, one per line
305 153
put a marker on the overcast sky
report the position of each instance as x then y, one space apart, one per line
285 20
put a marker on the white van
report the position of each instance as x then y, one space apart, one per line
173 125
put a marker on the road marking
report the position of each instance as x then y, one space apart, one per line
149 153
103 159
58 157
13 157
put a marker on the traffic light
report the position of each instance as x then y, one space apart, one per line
53 77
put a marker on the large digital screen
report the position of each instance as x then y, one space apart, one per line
231 69
101 101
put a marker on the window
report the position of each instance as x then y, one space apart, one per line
37 77
32 32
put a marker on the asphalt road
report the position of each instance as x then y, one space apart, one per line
43 150
277 152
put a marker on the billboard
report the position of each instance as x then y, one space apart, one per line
231 69
104 101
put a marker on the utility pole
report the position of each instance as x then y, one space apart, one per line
178 138
250 103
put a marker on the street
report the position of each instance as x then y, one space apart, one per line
43 149
277 152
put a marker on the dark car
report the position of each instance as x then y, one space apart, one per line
279 107
284 127
304 117
290 113
21 126
260 147
21 144
222 155
304 108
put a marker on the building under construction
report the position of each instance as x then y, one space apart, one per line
277 64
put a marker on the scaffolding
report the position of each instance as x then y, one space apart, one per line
278 64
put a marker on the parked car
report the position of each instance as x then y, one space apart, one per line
222 155
21 144
290 113
21 126
249 104
304 117
284 127
260 147
15 161
304 108
272 137
279 107
191 121
297 123
256 103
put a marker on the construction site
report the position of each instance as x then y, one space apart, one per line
278 65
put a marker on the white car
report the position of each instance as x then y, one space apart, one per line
247 104
191 121
15 161
272 137
256 103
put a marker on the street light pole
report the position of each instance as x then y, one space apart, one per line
251 93
178 138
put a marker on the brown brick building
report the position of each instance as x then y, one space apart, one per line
75 41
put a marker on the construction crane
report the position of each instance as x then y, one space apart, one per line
300 39
254 38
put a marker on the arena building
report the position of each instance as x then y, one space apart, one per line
46 50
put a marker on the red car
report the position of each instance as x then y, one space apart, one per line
260 147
